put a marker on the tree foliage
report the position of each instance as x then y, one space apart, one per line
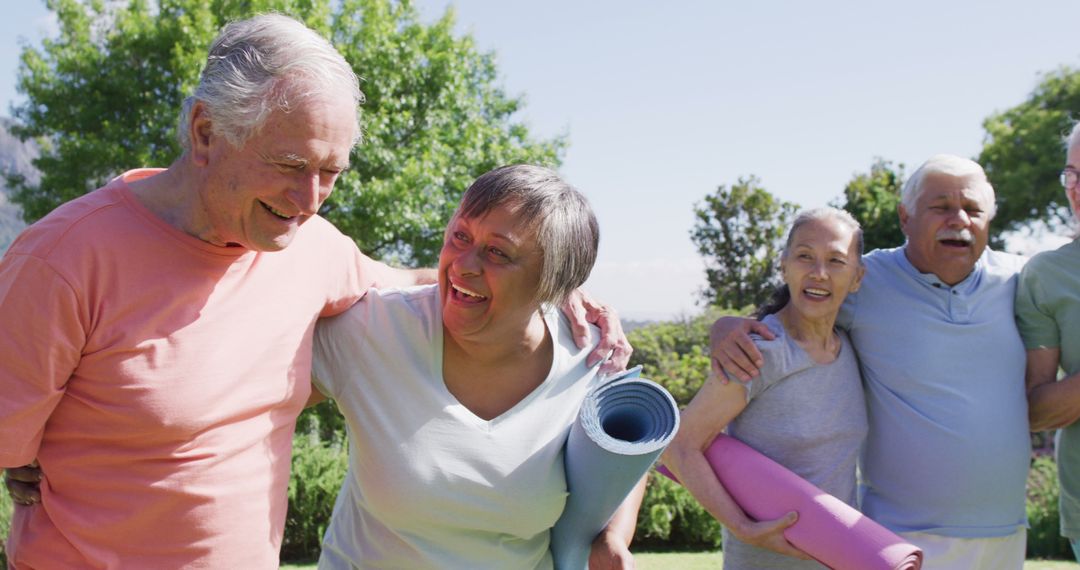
872 198
103 97
740 232
1023 152
675 354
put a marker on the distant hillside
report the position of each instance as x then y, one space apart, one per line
15 156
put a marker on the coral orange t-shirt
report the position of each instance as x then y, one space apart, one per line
157 378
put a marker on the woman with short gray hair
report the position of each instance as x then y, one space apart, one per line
459 396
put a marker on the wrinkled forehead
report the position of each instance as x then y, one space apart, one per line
827 232
940 185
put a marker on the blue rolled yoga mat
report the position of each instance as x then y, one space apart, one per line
623 426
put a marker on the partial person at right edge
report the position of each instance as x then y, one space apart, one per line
1048 316
947 453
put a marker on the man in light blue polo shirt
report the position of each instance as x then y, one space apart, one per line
946 457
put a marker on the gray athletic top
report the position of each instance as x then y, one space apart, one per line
810 418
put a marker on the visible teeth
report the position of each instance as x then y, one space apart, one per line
275 211
817 292
467 293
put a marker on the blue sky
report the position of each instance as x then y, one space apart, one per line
663 102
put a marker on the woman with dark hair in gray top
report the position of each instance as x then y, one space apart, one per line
806 409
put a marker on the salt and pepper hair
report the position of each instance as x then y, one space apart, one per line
781 294
949 165
566 227
262 64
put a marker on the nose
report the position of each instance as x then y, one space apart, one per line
467 262
818 270
960 218
308 194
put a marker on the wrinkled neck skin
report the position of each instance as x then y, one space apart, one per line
173 196
815 335
508 344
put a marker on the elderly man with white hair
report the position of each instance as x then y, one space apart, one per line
1048 314
946 457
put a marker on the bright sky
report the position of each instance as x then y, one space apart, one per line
664 101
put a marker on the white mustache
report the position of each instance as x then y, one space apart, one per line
959 235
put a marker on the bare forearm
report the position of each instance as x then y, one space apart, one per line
696 475
1055 404
624 521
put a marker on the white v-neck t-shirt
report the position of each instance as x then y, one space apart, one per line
430 484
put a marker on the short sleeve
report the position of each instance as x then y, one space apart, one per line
332 357
781 356
43 332
1036 322
349 274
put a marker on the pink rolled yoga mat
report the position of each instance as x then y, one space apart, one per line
829 530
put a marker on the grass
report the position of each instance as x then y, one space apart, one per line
713 560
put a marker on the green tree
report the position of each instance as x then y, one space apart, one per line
675 354
872 199
740 232
103 97
1023 152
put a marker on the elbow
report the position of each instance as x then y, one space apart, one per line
674 457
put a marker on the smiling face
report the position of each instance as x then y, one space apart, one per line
257 196
489 271
948 230
821 266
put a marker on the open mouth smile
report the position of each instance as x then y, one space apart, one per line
466 295
275 212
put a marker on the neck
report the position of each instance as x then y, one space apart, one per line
509 344
949 278
809 332
173 196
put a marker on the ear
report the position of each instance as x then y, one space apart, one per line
859 272
904 217
200 134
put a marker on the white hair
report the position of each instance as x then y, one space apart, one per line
949 165
262 64
1073 138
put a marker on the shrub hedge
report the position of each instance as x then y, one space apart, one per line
1044 538
5 524
318 468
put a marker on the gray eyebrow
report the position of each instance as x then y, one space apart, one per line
292 156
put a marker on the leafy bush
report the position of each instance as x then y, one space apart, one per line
676 354
6 506
670 518
318 468
1044 537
